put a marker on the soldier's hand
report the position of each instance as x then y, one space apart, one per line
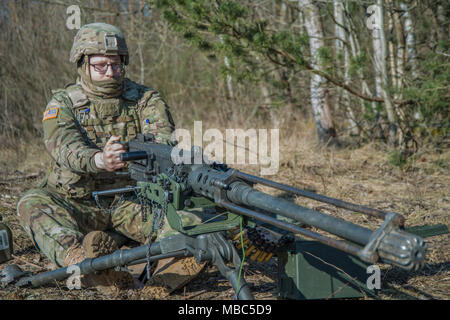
109 159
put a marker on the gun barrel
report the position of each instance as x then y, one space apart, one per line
90 265
243 194
311 195
341 245
389 243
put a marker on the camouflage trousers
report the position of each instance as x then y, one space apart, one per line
54 222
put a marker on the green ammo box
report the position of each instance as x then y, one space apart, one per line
6 244
312 270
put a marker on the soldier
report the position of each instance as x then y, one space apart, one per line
82 125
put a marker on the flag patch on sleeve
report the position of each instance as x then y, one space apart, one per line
50 114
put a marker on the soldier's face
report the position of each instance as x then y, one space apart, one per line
104 67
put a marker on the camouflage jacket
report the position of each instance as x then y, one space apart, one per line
77 126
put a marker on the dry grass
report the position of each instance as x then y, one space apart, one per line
361 175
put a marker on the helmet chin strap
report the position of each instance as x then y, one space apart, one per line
111 88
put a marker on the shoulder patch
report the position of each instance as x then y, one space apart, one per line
50 113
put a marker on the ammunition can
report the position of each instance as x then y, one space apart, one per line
312 270
6 243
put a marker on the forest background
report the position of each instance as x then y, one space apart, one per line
251 63
359 90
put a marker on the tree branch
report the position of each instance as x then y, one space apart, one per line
339 82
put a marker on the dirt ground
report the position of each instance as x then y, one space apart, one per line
419 190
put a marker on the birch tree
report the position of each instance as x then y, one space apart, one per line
376 24
392 57
229 79
410 40
342 53
261 46
400 58
318 89
356 53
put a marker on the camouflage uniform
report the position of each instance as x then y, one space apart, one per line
77 125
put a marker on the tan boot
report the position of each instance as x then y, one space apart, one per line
97 244
171 274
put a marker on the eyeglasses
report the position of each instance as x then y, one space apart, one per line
103 67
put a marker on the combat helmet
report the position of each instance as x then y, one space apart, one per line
99 38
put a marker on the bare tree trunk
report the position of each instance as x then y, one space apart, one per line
283 74
356 52
346 97
398 67
342 52
379 48
392 62
339 41
400 70
319 90
410 40
283 15
229 80
339 27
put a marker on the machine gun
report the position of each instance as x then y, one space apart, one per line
229 207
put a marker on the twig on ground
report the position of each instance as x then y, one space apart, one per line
9 206
196 294
27 262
